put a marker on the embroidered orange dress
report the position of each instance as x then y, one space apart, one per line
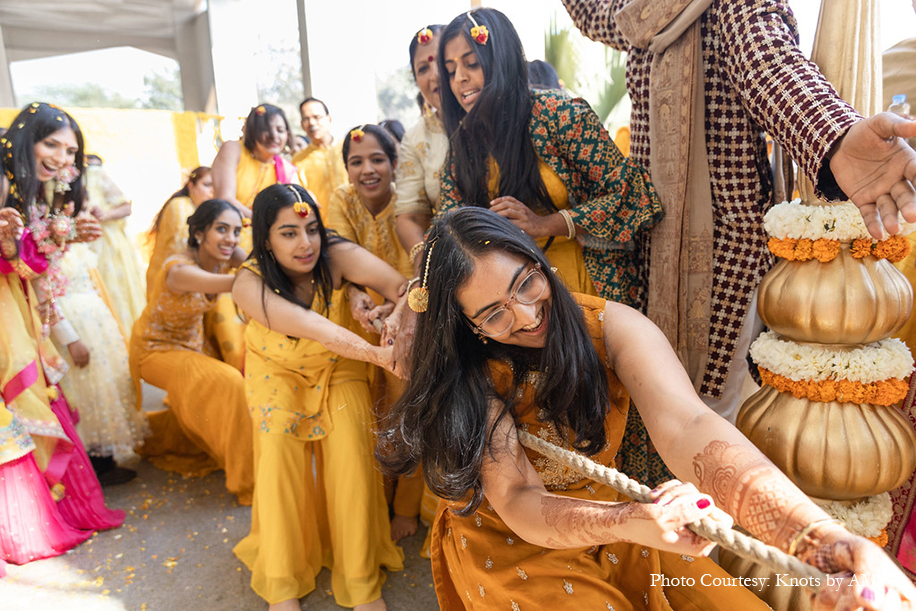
207 426
479 563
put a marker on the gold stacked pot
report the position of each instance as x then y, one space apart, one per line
832 451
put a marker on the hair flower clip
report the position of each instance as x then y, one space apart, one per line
246 221
357 134
424 36
479 33
261 111
300 207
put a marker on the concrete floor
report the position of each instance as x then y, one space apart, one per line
174 552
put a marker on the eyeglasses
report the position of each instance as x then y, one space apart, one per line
312 118
532 288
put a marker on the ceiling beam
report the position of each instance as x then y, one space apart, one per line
24 43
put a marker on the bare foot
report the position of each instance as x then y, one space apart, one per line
287 605
376 605
402 526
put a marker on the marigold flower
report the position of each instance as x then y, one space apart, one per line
826 250
481 34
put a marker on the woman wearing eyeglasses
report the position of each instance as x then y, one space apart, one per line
544 161
501 345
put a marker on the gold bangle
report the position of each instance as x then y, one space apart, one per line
417 249
570 226
804 532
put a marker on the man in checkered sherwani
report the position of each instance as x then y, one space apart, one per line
757 81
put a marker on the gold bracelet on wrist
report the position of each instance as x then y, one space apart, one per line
417 249
570 226
804 532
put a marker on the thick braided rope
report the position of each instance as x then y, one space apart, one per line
732 540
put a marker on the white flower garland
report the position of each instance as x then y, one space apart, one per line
841 222
882 360
866 519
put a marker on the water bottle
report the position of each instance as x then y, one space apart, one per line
899 105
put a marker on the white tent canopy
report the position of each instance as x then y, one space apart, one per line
178 29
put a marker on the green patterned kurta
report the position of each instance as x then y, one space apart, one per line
612 199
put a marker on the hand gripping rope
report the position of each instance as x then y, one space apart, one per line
732 540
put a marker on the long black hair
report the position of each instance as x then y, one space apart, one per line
497 125
264 210
204 216
440 422
196 175
33 124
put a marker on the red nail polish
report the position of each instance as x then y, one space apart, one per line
703 503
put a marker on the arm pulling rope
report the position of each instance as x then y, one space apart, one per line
732 540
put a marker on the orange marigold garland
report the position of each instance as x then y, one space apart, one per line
894 249
784 249
804 250
884 392
826 250
880 540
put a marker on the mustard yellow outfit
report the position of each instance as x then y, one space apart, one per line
307 403
223 332
479 563
251 177
352 220
347 215
321 169
208 411
119 259
563 253
171 236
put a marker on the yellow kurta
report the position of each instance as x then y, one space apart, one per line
479 563
119 259
208 413
171 236
351 219
309 404
321 169
251 177
563 253
347 215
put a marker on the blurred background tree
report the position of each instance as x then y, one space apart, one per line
589 69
